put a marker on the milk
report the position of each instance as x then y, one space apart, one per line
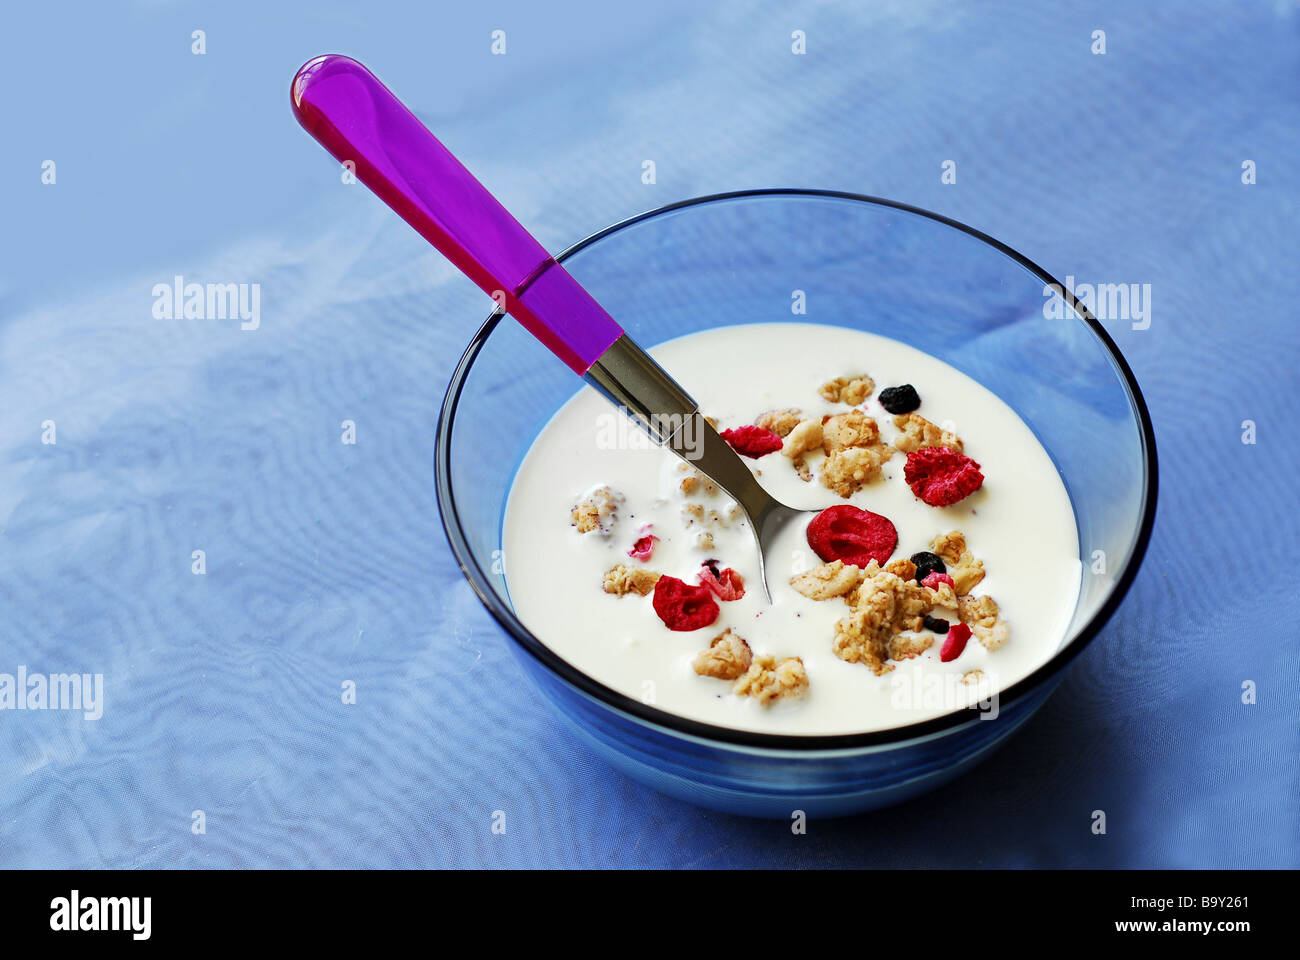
1020 524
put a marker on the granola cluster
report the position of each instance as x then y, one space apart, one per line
916 432
851 390
597 510
804 437
728 657
852 446
620 581
780 422
827 580
888 607
854 452
965 570
768 680
882 606
981 615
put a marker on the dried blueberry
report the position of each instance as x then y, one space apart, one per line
936 625
926 564
902 399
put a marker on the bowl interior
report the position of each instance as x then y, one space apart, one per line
860 263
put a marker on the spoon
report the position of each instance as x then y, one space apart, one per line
359 120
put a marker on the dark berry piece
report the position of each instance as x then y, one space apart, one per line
902 399
926 564
936 625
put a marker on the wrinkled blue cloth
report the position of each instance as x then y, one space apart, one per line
325 562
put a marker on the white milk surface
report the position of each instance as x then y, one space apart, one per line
1020 524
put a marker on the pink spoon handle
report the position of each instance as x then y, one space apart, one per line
357 119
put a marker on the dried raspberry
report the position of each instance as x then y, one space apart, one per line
683 607
844 532
644 547
958 634
751 441
940 476
727 584
932 580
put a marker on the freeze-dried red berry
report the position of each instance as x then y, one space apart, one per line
644 547
933 579
684 607
941 476
844 532
751 441
726 583
955 642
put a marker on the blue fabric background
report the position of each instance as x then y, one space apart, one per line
326 562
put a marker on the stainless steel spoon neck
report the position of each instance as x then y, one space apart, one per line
632 380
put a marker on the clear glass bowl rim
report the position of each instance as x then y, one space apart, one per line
694 729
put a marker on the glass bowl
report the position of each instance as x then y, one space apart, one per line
860 262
